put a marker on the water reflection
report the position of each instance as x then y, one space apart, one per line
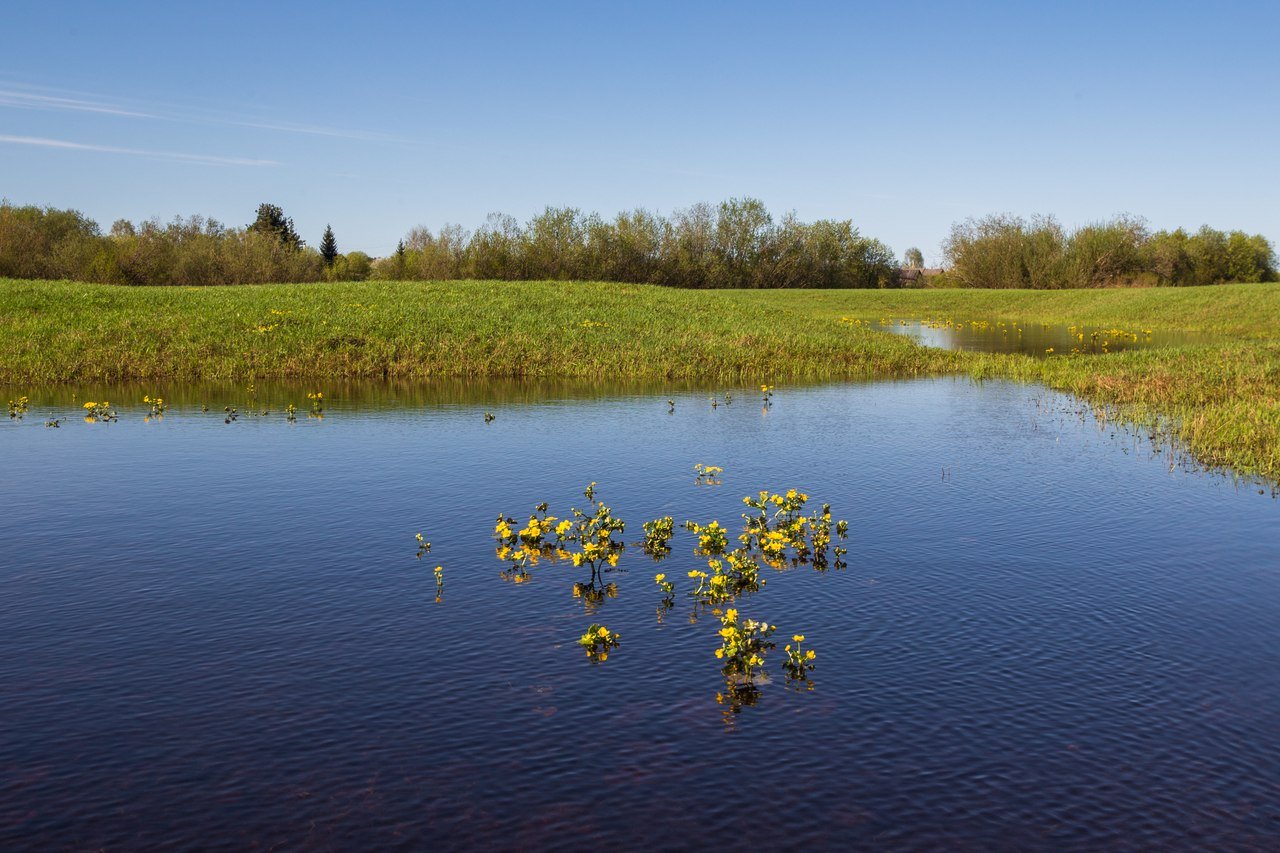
1041 340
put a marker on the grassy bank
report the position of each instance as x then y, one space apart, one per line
1222 400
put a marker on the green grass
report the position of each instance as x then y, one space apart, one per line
1221 400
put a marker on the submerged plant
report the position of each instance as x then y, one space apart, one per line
713 539
94 412
657 537
707 475
156 406
799 661
597 641
743 645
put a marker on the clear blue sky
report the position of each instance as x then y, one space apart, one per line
902 116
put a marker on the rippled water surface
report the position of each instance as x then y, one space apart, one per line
1048 634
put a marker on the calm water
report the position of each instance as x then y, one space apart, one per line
218 635
1036 339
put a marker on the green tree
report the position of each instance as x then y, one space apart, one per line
913 259
272 221
328 246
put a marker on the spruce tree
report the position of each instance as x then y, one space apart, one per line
328 246
271 220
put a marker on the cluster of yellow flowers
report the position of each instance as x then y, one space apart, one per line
156 405
594 324
707 475
778 523
657 537
852 321
742 644
597 641
98 412
317 402
799 661
18 407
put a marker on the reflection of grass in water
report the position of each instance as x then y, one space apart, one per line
1222 399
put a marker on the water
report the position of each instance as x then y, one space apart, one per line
1041 340
1048 635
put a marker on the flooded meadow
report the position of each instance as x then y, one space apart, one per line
1038 628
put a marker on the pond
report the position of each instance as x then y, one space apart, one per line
1050 633
1035 339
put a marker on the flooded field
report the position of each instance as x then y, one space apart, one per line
1034 339
1049 632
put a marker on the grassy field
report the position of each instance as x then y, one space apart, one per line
1221 400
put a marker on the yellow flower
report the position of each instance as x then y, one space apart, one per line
810 655
659 578
798 638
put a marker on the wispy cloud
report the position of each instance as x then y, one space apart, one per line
17 96
33 101
41 142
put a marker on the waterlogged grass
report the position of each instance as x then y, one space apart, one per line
1220 399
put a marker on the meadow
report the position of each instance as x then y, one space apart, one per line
1220 400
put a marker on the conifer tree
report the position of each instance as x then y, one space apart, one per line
328 246
271 220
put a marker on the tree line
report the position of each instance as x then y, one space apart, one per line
737 243
1011 252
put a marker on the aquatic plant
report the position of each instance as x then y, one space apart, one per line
598 640
707 475
439 575
799 661
317 403
667 587
767 392
592 534
95 412
53 422
424 547
713 539
156 406
489 417
657 537
291 413
743 645
18 408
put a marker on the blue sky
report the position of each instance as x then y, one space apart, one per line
903 116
